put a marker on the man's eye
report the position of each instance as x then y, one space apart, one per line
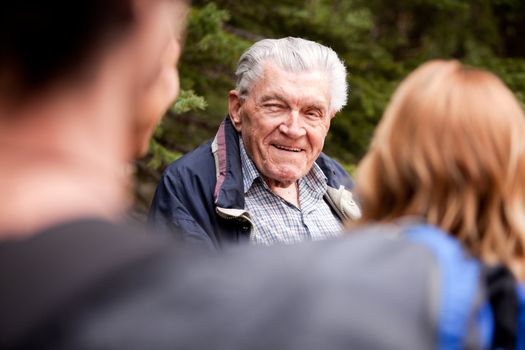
274 107
314 114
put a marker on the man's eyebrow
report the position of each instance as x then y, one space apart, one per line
266 98
320 105
316 104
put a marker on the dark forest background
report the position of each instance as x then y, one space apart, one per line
380 41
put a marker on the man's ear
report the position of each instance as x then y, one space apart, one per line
234 109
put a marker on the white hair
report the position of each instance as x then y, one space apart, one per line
293 55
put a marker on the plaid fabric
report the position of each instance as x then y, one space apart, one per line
278 221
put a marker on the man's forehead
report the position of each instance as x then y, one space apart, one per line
311 85
271 68
285 96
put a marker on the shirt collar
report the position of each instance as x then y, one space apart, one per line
315 179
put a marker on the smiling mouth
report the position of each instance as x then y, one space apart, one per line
288 149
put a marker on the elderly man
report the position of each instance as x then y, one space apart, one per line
73 277
263 177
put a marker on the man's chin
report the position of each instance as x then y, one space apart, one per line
285 177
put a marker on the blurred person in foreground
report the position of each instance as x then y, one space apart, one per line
81 86
263 178
450 150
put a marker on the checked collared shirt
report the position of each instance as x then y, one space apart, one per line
278 221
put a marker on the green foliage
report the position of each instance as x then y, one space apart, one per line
161 155
380 42
211 52
188 101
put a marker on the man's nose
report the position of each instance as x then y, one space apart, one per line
293 126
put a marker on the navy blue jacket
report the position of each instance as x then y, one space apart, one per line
200 197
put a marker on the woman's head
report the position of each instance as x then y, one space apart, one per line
451 148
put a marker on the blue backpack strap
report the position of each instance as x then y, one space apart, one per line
459 288
520 340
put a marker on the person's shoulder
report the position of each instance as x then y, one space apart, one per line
335 172
324 159
77 256
198 161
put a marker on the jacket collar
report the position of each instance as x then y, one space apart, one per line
229 189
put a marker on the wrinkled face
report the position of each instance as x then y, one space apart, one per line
283 121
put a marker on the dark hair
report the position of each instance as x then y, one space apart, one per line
42 41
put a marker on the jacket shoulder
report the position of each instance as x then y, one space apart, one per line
198 162
335 172
183 200
191 178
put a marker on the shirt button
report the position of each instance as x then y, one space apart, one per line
245 228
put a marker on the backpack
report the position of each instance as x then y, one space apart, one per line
501 316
